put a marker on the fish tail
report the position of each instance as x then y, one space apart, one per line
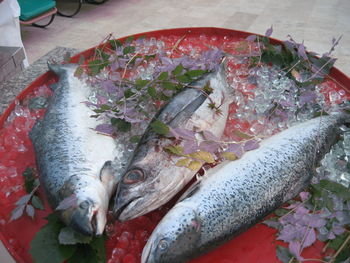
60 69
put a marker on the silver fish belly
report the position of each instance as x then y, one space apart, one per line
235 195
73 160
151 178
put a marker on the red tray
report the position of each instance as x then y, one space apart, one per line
255 245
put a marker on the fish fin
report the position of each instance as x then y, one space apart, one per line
60 69
36 130
109 177
190 191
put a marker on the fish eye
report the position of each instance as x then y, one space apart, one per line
84 205
133 176
163 244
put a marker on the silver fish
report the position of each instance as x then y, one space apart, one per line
151 178
235 195
73 160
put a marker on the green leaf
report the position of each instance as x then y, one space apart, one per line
128 93
148 57
37 203
29 179
152 92
174 149
140 83
105 107
122 125
283 254
84 254
129 39
95 66
68 236
343 255
178 70
281 211
98 245
128 50
195 73
184 78
337 189
45 246
169 86
115 43
135 139
159 127
163 76
338 241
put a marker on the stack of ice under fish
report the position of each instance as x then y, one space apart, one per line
229 199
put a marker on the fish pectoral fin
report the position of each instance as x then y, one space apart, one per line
36 130
108 176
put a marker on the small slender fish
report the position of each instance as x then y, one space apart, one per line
152 178
235 195
74 162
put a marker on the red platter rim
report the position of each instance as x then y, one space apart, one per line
336 74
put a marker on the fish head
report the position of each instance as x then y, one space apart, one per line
146 186
88 215
175 238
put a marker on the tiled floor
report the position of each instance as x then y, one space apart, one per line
315 21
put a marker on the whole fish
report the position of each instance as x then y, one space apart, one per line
74 161
152 178
235 195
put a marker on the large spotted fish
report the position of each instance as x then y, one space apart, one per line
74 162
235 195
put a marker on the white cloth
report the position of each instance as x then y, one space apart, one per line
10 33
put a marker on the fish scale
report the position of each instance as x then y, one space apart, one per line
235 195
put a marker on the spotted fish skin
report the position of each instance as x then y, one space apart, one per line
235 195
72 159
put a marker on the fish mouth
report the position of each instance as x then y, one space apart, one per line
124 212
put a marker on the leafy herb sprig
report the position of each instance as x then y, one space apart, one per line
303 67
31 200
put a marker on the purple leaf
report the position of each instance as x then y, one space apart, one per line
211 147
182 133
337 229
251 38
109 86
295 249
307 97
190 146
17 212
30 211
251 145
310 238
70 201
304 196
236 148
105 128
101 99
302 52
209 136
268 32
23 200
